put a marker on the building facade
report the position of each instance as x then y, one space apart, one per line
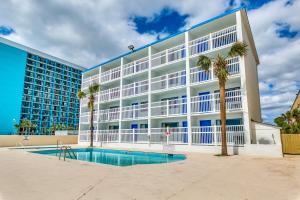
157 94
37 87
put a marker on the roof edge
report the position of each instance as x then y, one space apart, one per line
228 12
39 53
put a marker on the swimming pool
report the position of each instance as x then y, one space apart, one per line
117 157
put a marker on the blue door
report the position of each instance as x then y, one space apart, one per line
184 106
206 131
134 126
185 134
235 121
204 104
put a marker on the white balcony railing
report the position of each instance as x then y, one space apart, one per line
211 102
84 101
110 94
136 67
135 111
86 82
135 88
110 75
213 41
169 108
168 81
197 75
204 135
112 114
178 135
85 117
108 136
134 135
211 135
168 55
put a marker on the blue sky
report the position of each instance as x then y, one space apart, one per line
104 29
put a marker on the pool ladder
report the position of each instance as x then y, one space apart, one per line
66 150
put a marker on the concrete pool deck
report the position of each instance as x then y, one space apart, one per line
24 175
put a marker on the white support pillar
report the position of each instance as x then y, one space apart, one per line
79 126
98 106
188 88
246 117
121 99
149 91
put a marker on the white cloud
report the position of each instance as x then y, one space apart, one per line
89 32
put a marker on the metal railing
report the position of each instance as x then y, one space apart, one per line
135 88
200 135
85 117
110 94
168 55
211 135
167 81
198 75
211 102
134 135
169 107
135 111
110 75
136 66
213 41
111 114
86 82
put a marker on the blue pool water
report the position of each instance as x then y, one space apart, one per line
117 157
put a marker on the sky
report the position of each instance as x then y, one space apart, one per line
90 32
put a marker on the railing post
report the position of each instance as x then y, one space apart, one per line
210 41
213 102
167 59
215 134
133 130
167 107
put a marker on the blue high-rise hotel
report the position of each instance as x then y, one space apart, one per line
37 87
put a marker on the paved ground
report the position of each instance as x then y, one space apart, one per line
29 176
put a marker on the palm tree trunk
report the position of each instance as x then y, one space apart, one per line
92 126
223 117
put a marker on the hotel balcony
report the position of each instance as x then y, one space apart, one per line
136 67
110 94
110 75
169 81
205 135
89 81
168 56
85 117
198 76
211 135
174 107
210 103
136 88
213 41
112 114
135 112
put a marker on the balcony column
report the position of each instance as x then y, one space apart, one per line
188 88
121 99
80 113
210 42
149 92
246 117
98 105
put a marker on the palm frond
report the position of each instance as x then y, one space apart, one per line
81 95
238 49
94 88
220 68
204 62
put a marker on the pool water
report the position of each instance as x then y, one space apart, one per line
117 157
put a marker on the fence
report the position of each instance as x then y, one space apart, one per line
290 143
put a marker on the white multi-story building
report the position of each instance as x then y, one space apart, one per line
157 94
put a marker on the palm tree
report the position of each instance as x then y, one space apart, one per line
92 90
219 64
